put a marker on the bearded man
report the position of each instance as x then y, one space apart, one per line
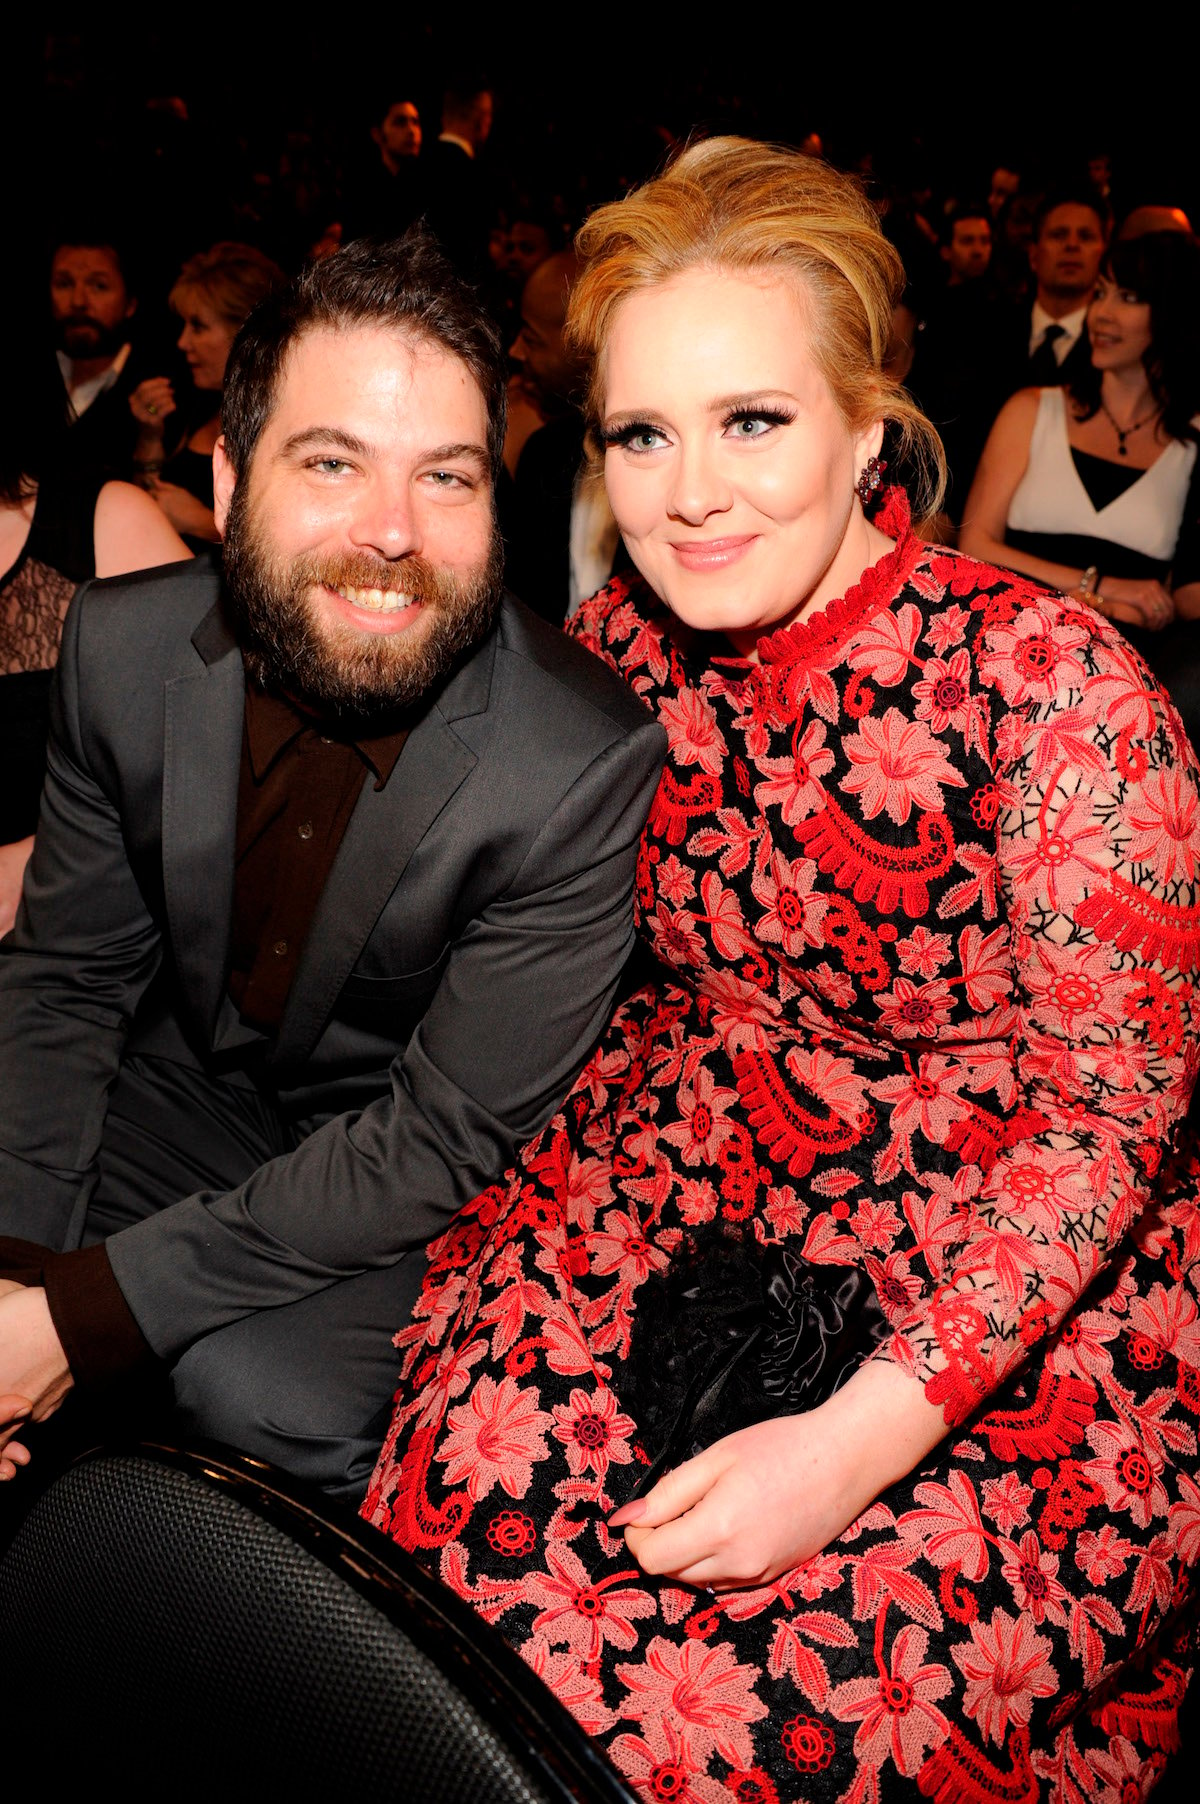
330 897
93 307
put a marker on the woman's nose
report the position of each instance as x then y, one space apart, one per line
698 487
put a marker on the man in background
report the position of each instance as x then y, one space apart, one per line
92 305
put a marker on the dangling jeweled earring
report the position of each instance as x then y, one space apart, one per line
870 479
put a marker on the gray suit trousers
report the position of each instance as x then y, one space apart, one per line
308 1385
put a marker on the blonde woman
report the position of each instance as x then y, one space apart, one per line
815 1405
213 294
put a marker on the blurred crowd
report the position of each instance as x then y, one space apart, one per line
1047 326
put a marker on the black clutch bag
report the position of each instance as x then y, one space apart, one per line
737 1334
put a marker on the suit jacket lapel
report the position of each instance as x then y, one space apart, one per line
201 752
386 827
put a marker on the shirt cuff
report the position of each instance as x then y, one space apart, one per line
99 1333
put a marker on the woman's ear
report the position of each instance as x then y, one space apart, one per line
869 442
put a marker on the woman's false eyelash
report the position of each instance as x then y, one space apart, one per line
631 429
626 432
774 416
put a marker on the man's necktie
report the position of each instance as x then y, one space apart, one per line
1045 370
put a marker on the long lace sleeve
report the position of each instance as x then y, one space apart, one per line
1098 849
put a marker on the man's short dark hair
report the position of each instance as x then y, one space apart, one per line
1073 195
94 235
961 212
400 284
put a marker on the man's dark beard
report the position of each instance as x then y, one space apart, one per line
79 335
343 674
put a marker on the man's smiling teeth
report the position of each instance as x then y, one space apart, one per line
380 601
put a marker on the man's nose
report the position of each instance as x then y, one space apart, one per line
698 485
386 521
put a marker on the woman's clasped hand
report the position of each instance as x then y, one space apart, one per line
759 1502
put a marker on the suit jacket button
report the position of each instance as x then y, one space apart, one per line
280 948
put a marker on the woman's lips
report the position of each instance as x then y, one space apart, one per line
712 554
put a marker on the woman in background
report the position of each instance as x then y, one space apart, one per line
814 1404
56 530
1093 489
213 294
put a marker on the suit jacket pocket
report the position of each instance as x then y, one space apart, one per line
402 990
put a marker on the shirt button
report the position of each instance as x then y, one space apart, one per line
280 948
305 829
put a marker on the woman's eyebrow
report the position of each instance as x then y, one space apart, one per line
746 403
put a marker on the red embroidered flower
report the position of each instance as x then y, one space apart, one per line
594 1431
512 1533
808 1744
896 1707
1007 1668
897 766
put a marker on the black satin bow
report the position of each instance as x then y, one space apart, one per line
784 1351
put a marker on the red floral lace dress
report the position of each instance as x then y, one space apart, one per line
923 888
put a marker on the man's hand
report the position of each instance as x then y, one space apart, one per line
13 859
761 1501
14 1411
34 1375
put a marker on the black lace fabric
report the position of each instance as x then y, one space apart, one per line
33 604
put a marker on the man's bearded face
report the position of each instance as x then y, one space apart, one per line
89 300
291 644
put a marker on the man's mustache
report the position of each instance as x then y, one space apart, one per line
412 576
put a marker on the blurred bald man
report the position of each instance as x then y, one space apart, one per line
1144 220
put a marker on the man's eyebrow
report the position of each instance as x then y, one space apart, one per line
327 435
446 454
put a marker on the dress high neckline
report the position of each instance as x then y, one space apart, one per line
878 585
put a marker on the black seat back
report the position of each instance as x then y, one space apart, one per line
193 1622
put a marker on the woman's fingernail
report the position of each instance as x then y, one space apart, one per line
628 1512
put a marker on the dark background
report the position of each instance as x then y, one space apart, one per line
277 114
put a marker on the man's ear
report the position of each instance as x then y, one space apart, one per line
377 134
224 483
131 309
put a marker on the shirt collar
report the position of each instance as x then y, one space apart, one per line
453 138
1071 323
273 722
83 395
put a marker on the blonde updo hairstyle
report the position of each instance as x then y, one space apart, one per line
729 203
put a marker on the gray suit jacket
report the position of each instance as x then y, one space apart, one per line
462 960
